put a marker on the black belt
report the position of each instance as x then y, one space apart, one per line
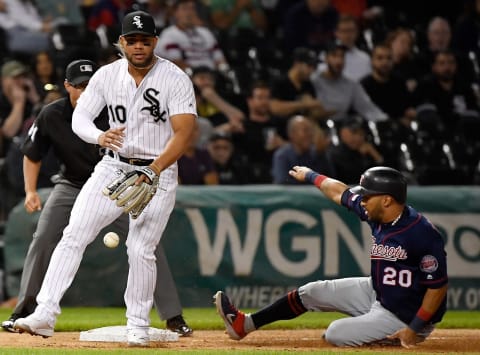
131 161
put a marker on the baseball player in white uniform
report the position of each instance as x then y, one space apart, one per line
152 116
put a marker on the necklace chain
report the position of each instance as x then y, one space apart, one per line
396 219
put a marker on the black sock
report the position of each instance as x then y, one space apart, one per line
288 307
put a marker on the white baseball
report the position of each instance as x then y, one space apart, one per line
111 240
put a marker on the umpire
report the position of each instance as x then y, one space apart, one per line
52 129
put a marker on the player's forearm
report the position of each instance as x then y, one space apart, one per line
84 127
177 145
431 302
331 188
31 171
433 299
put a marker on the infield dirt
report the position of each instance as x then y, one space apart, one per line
441 341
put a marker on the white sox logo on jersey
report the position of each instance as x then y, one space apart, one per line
154 108
137 22
385 252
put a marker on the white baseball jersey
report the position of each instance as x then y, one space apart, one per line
197 47
145 111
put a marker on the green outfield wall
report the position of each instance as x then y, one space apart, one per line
258 242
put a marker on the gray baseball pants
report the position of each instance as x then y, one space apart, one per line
369 321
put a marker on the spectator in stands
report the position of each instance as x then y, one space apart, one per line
466 35
231 168
240 26
339 94
451 96
354 154
355 8
408 13
357 61
310 23
300 149
186 43
211 105
54 94
439 37
108 14
369 17
45 76
108 55
160 11
405 62
63 12
387 91
196 167
17 99
293 93
205 127
26 31
232 15
259 139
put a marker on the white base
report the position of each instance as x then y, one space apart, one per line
118 334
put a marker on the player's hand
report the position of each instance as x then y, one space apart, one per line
112 139
32 202
299 172
407 337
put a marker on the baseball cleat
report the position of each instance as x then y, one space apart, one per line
178 325
138 337
34 326
8 324
233 318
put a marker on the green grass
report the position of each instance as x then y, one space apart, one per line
78 319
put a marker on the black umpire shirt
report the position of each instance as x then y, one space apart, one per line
53 129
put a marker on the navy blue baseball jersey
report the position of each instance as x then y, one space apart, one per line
407 258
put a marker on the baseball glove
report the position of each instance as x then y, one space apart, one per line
132 198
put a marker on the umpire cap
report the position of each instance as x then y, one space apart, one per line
79 71
382 180
139 22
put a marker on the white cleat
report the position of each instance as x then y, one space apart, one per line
34 326
138 337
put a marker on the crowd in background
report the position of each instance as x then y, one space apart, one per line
337 85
